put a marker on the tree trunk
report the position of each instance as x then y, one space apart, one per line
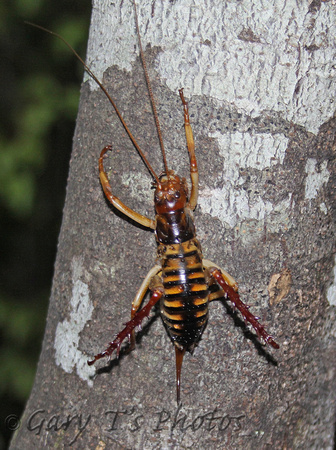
260 80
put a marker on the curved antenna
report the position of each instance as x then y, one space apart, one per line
93 76
149 87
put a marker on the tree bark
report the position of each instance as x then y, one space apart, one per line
260 81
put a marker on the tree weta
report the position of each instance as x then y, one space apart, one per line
182 278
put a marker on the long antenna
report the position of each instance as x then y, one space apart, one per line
93 76
149 87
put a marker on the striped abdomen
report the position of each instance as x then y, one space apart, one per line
184 306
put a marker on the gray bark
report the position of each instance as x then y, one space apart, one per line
260 82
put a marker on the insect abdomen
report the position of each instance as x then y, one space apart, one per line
184 306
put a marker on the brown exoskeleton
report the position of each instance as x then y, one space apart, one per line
182 277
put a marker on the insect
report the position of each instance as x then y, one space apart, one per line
182 280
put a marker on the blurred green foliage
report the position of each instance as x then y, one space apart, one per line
40 82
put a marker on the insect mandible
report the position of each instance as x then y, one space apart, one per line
181 279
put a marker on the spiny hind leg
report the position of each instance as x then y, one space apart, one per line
230 290
140 295
227 277
192 156
139 218
129 327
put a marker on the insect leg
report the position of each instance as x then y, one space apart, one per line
139 218
227 277
232 295
140 296
129 327
192 156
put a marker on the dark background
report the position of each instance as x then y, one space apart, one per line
40 82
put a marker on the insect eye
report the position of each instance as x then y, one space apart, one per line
177 195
